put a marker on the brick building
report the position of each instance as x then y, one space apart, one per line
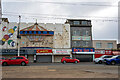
81 39
104 47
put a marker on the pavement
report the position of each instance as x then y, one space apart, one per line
59 70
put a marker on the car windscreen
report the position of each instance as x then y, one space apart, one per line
107 56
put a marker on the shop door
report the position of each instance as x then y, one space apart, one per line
46 59
84 57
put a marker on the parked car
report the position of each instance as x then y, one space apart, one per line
113 60
2 58
100 60
69 60
15 61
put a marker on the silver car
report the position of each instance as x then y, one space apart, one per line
100 60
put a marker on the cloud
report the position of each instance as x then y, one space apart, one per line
67 9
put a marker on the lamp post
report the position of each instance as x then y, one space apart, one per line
18 37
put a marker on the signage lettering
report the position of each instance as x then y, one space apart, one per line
44 51
83 50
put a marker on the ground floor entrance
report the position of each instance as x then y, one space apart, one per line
84 57
44 58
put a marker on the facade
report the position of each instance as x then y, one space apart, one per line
118 46
0 12
104 47
81 39
39 42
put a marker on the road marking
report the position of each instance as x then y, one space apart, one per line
51 70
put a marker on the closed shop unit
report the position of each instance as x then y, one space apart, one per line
44 58
31 58
57 58
60 53
83 54
84 57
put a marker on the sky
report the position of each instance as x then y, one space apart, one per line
102 13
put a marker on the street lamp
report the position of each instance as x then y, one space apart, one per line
18 37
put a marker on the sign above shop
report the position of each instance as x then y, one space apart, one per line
61 51
116 52
83 50
99 51
44 51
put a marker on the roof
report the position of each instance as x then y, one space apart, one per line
34 27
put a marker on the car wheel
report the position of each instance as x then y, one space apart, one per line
4 64
100 62
23 63
76 62
64 62
113 63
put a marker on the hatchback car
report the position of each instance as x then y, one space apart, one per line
113 60
100 60
16 60
69 60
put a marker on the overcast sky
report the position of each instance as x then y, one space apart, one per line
103 13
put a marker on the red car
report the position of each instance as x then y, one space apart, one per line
15 60
69 60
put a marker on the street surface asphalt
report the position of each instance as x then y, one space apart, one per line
59 70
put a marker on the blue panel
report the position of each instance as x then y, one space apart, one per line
30 32
34 32
44 32
83 50
21 32
25 32
51 32
39 32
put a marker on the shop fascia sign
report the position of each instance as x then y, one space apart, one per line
99 51
83 50
44 52
116 52
61 51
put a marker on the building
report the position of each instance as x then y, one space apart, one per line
0 12
81 39
104 47
118 46
39 42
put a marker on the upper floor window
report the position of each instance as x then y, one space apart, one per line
84 22
76 22
98 45
85 32
110 45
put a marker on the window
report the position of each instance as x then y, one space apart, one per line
74 33
78 32
20 58
118 57
13 58
76 44
85 32
110 45
67 57
84 22
76 23
98 45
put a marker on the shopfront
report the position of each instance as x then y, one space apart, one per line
117 52
43 55
58 54
100 52
83 54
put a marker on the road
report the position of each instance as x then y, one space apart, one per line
59 70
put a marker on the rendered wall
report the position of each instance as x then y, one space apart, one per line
61 38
